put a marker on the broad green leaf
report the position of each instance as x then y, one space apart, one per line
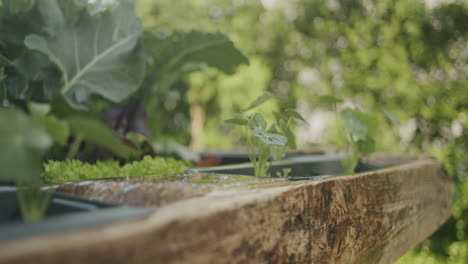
174 56
329 100
174 52
14 28
71 10
294 114
22 142
95 132
99 55
259 101
25 75
270 138
31 65
257 121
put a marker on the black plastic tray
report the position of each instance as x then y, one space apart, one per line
302 167
229 158
65 213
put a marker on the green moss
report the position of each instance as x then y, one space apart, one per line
75 170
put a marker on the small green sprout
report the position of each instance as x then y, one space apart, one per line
359 131
284 174
266 144
33 202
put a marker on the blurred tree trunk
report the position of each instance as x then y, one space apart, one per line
197 121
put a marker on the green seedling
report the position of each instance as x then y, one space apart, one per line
266 144
284 173
359 131
33 202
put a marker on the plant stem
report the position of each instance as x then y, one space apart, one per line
74 147
32 201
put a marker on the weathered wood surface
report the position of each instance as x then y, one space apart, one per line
372 217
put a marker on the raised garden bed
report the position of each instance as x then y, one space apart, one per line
370 217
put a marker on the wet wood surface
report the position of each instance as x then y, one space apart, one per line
372 217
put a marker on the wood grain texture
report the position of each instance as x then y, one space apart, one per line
372 217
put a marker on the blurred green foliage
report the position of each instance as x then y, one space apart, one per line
76 170
381 56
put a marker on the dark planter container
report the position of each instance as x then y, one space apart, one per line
65 212
302 167
217 158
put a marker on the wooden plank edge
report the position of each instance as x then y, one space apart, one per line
373 217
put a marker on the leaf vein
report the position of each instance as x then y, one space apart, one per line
95 60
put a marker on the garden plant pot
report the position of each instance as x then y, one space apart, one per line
370 217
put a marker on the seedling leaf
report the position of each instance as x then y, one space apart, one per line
259 101
273 128
294 114
288 134
270 138
353 122
238 119
277 152
366 146
257 121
